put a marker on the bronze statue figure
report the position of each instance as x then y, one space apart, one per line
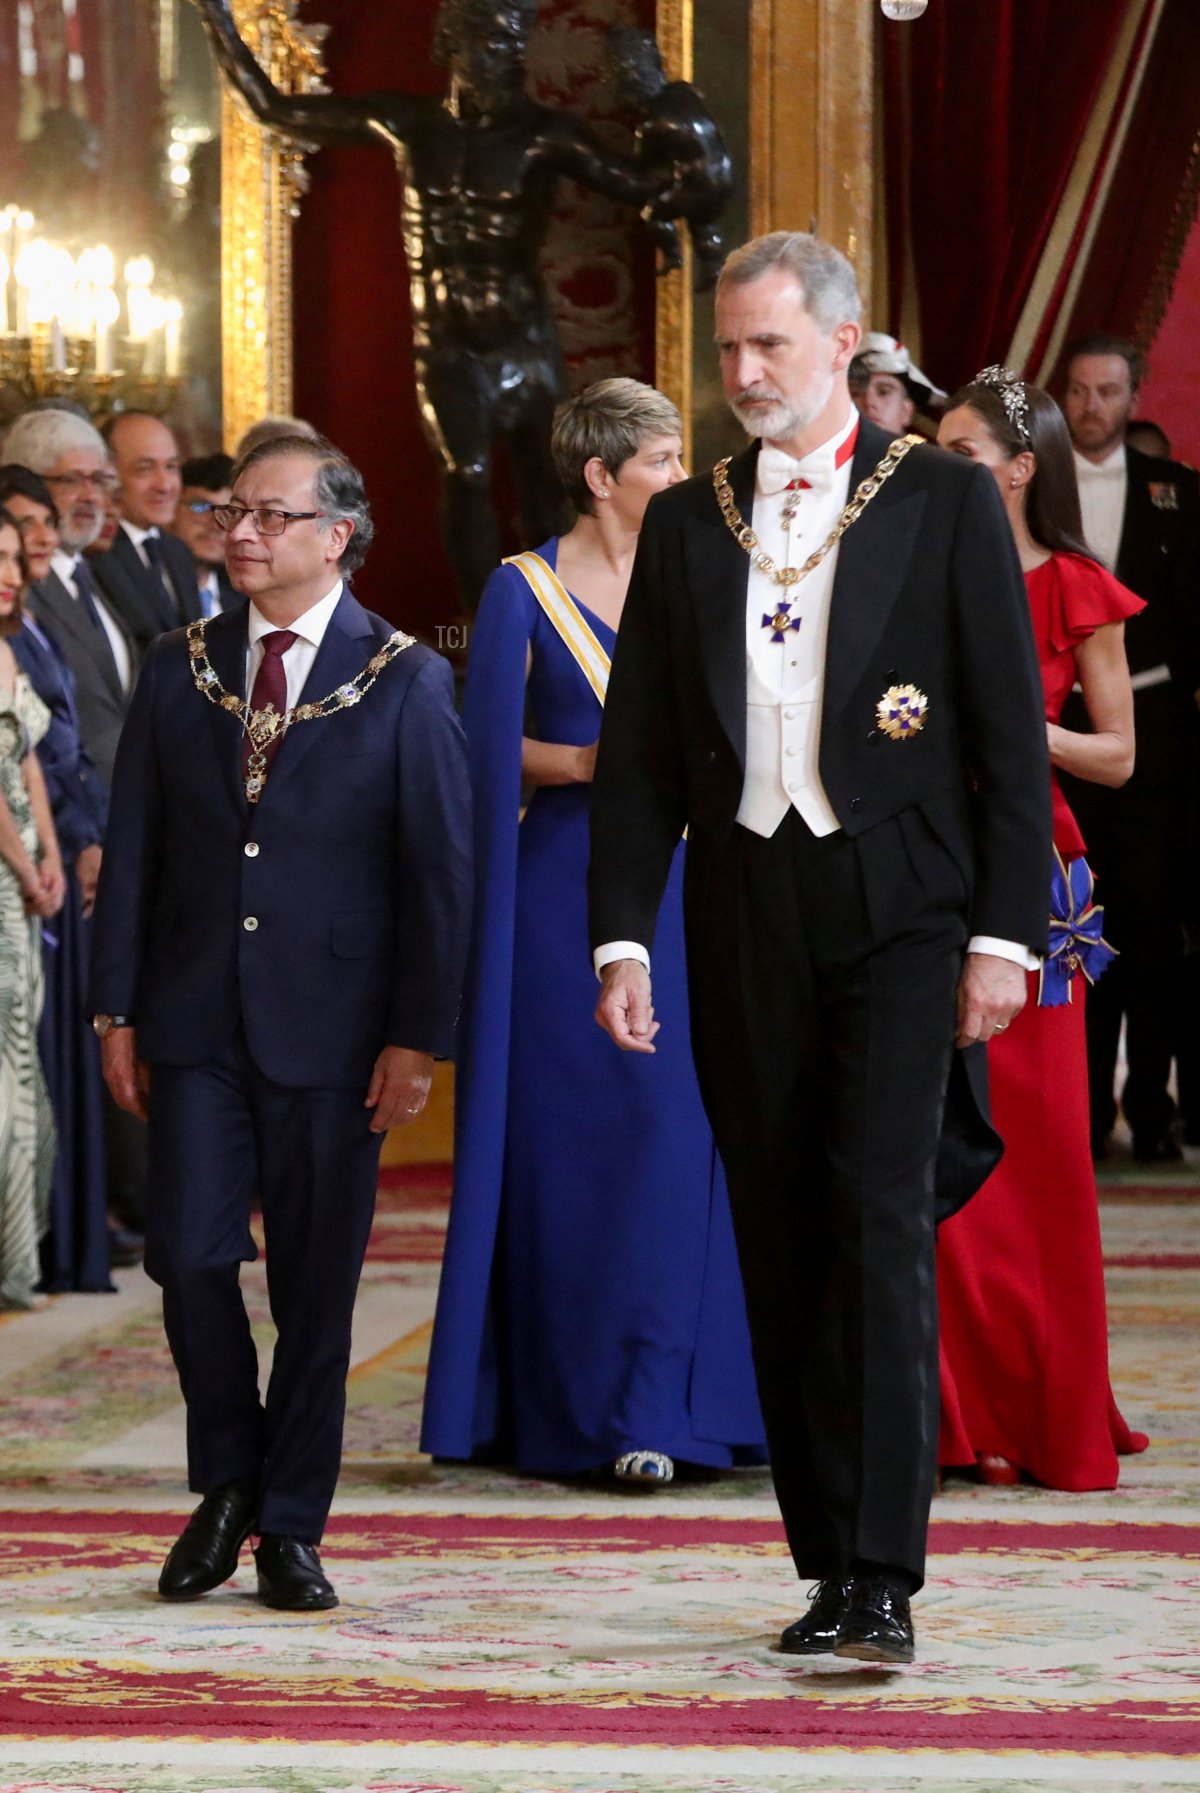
676 129
478 169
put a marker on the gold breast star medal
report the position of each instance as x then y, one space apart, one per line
900 712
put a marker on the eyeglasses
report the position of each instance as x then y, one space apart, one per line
71 482
267 522
200 507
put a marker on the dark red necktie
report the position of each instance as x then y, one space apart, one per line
270 686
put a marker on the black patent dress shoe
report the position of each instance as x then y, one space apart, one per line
877 1626
290 1577
1156 1148
206 1552
817 1632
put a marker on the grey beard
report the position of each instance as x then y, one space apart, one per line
783 420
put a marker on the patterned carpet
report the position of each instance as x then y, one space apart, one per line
499 1635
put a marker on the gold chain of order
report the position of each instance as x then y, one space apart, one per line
264 726
789 576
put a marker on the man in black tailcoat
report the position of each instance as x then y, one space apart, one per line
850 725
1141 515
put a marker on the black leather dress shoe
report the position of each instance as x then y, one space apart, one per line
290 1577
817 1632
206 1553
1156 1148
877 1626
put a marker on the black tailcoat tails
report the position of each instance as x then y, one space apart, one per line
823 971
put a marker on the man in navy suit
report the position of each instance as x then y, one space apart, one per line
279 944
148 573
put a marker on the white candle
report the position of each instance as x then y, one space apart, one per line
172 336
108 310
58 347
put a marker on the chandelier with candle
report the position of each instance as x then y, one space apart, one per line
76 326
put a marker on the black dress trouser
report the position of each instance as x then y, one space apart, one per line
222 1133
823 977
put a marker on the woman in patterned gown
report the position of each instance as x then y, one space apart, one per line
591 1313
1024 1334
31 890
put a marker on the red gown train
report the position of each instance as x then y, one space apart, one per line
1024 1331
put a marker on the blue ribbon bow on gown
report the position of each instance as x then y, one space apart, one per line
1077 941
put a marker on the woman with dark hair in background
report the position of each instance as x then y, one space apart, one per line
31 890
1025 1384
75 1250
591 1312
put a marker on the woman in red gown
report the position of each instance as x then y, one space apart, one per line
1025 1383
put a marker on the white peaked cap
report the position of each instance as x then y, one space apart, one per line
881 354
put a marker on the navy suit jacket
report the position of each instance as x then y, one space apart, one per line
139 595
100 700
354 866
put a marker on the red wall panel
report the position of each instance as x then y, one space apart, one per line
1171 394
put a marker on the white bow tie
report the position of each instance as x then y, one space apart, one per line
1106 470
777 470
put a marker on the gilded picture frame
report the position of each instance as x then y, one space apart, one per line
262 180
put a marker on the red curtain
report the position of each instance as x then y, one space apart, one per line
985 103
1151 205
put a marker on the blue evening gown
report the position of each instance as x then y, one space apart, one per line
75 1251
590 1300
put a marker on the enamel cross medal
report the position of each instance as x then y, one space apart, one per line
783 622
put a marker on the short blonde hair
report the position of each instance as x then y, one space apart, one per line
609 421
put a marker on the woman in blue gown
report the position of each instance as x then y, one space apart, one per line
75 1249
590 1312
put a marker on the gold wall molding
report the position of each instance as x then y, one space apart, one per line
673 325
262 180
812 123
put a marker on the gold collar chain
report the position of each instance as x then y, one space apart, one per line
789 576
264 726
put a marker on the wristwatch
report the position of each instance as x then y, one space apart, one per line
104 1024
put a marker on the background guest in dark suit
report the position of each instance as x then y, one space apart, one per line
859 756
206 483
1141 516
279 945
75 1248
72 459
149 574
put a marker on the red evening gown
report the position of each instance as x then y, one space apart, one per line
1024 1332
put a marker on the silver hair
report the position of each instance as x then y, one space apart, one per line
337 487
610 419
39 439
269 429
826 277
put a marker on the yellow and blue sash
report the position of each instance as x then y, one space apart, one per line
567 619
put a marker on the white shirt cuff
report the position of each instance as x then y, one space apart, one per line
1005 949
619 949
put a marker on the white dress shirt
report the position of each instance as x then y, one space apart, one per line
785 680
64 565
1103 486
138 537
309 630
210 592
